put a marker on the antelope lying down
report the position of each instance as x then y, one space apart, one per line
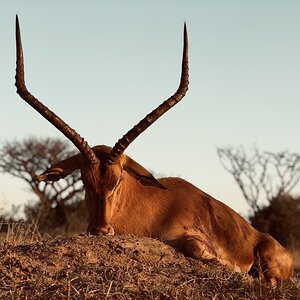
124 198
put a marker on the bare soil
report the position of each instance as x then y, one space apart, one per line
120 267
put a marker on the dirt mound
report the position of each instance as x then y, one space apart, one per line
120 267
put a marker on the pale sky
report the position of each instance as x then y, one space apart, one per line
103 65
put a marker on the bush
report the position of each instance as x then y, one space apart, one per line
281 219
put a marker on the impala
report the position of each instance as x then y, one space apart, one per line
124 198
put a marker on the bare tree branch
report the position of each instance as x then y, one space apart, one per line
262 174
28 158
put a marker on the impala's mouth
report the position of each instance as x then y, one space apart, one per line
102 230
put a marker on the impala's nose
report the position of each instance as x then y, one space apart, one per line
102 229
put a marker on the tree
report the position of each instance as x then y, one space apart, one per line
272 177
261 175
28 158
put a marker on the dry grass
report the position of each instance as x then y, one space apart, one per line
121 267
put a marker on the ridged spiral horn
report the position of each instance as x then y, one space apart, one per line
55 120
135 131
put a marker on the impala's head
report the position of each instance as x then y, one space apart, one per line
102 184
102 170
105 186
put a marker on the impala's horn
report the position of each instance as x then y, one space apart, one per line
134 132
64 128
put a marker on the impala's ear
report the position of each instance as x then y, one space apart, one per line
61 169
140 173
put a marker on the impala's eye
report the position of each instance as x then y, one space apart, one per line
115 188
119 182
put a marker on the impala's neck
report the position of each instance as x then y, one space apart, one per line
136 210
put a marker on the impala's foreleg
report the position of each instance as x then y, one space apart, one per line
61 169
274 261
195 247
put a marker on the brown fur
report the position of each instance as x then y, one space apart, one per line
125 198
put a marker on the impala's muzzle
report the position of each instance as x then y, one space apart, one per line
101 230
